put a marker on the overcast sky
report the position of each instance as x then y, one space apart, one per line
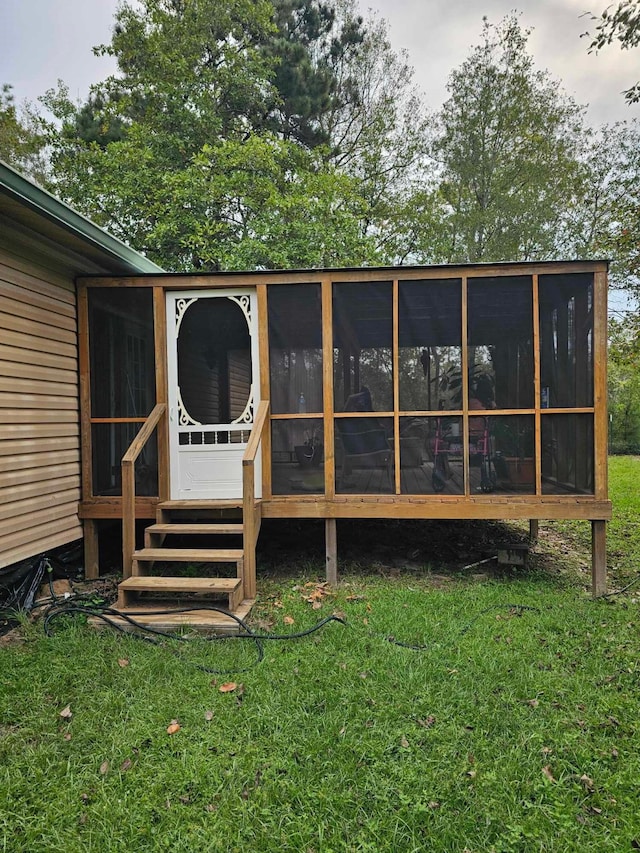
42 41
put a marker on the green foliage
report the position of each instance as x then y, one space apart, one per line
306 48
508 143
622 24
624 384
21 139
172 157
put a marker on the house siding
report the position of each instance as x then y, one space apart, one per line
39 424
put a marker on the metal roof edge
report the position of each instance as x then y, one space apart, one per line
46 204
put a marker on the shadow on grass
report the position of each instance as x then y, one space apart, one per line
401 547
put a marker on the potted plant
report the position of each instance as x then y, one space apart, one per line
514 451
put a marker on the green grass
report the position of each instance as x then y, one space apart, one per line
512 730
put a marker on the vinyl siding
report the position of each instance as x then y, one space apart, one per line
39 433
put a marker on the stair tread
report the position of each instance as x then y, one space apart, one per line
173 584
188 555
177 527
201 504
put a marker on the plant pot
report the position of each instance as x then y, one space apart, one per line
521 471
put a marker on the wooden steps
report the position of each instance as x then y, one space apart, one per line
148 590
165 615
230 589
189 555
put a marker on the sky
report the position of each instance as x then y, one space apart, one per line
42 41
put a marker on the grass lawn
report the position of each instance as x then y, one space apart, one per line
513 728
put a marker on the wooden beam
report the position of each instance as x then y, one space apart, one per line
331 547
537 390
91 559
160 354
464 390
534 526
600 425
327 390
85 393
598 558
265 383
396 388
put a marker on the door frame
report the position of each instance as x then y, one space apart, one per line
227 456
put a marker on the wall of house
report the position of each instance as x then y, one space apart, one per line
39 429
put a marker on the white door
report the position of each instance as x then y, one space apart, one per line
212 360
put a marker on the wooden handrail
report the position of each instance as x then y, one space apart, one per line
250 522
129 485
256 433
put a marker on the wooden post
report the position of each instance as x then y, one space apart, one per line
128 517
91 560
598 558
534 525
331 545
249 528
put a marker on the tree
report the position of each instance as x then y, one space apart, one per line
377 130
621 24
624 384
508 145
308 41
614 170
21 139
172 155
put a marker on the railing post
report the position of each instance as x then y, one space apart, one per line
128 516
249 528
250 519
129 486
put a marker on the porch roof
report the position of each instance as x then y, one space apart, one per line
94 250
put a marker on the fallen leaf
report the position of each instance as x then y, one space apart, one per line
533 702
434 804
614 753
288 620
363 675
173 727
123 662
67 736
547 772
66 713
208 715
596 810
404 743
355 598
227 687
316 605
184 799
342 730
471 774
104 768
587 781
427 722
126 765
211 807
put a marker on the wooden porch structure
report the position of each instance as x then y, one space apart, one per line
420 392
